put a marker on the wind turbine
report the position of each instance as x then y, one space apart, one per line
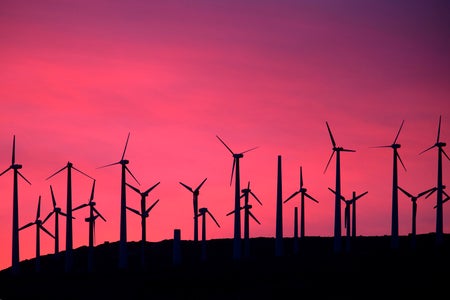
15 224
439 192
247 214
69 231
195 202
303 193
396 157
237 192
348 205
39 226
414 211
337 203
202 213
144 213
123 253
93 215
56 211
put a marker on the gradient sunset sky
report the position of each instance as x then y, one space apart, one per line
78 76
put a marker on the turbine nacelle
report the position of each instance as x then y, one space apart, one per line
124 161
395 146
16 166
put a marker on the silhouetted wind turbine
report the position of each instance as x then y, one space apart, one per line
202 213
195 202
69 230
337 206
15 224
39 226
394 223
414 211
144 213
93 215
57 211
303 193
247 213
439 192
348 205
237 192
123 253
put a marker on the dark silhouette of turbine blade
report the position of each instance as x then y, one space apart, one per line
342 197
232 170
431 192
151 188
291 196
133 188
400 159
231 212
347 150
38 212
253 217
20 174
212 217
108 165
439 130
80 206
445 154
331 135
225 145
13 157
200 185
27 225
9 168
250 149
53 197
408 194
301 177
150 208
134 210
360 195
46 231
328 163
255 197
310 197
396 137
60 170
99 214
126 144
92 191
48 216
129 172
424 192
81 172
186 186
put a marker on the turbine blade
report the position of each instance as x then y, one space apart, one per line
38 213
27 225
126 144
406 193
200 185
256 197
225 145
20 174
439 130
53 197
445 154
425 192
99 214
301 178
431 192
427 149
347 150
212 217
186 186
385 146
153 205
360 195
134 210
250 149
129 172
13 158
83 173
232 170
92 191
80 206
291 196
60 170
329 160
342 197
310 197
151 188
395 140
112 164
331 135
133 188
253 217
400 159
231 212
46 231
48 216
9 168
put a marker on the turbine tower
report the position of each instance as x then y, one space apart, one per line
69 231
439 188
237 192
394 222
123 252
144 213
303 194
15 224
337 202
39 226
56 211
414 211
93 215
195 202
202 213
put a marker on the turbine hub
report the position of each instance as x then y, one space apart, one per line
238 155
440 144
124 161
16 166
395 146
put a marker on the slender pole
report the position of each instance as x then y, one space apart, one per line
279 213
337 205
123 256
439 213
394 225
144 230
237 211
15 227
69 237
195 204
296 230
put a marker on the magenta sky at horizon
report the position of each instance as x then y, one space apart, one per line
78 76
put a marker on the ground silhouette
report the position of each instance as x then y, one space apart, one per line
370 269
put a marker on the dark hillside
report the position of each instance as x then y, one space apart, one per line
369 269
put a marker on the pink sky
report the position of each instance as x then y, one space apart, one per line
78 76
